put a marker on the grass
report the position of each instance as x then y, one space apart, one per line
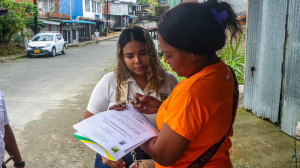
233 54
111 66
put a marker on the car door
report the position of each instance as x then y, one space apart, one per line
61 41
56 43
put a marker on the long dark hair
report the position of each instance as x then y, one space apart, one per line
155 71
193 27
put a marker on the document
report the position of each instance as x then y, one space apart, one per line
113 134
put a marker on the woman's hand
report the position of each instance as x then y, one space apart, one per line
112 164
118 106
146 104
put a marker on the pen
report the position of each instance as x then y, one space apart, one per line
146 95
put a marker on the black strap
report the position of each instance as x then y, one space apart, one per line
206 156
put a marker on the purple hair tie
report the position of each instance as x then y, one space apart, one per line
220 16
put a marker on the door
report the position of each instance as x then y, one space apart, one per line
61 42
73 35
56 43
69 36
65 35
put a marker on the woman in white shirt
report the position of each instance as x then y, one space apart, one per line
138 70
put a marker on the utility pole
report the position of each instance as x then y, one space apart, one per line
106 18
35 18
71 10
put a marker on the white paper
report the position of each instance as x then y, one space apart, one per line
116 132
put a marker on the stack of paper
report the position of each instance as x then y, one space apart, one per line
113 134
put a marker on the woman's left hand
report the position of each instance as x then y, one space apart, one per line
118 106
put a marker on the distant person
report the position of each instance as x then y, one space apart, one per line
196 119
143 23
7 138
138 70
97 36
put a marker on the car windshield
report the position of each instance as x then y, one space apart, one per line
43 38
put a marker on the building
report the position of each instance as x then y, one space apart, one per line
50 15
76 29
120 13
3 11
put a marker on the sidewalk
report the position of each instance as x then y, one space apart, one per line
89 42
14 57
259 143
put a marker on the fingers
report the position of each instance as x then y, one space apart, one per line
118 106
121 163
113 164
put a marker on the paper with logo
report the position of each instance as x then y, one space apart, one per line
113 134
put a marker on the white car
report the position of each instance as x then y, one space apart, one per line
46 44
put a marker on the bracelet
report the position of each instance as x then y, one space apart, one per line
22 164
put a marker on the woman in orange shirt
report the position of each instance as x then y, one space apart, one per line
199 111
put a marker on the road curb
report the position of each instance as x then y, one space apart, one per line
89 42
24 55
13 57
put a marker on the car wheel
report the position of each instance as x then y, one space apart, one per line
64 50
53 52
29 56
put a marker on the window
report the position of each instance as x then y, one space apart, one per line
42 38
52 6
98 7
93 6
87 5
47 6
58 37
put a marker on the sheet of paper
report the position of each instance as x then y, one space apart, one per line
118 132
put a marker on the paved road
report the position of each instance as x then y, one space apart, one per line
32 86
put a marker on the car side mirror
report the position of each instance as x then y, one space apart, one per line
56 40
29 41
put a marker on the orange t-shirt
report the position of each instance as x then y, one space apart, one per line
200 109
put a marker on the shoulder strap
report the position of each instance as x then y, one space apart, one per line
206 156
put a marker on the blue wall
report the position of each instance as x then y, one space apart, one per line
64 8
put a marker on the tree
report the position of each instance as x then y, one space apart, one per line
14 21
145 2
30 23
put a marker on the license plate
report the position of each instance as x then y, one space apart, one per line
36 51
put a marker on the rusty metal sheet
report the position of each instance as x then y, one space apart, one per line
265 46
291 77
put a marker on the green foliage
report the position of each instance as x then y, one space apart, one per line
19 39
14 21
30 23
234 56
168 68
11 49
145 2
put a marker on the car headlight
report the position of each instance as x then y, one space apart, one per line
48 45
28 45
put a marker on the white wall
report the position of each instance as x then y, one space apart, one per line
90 14
119 9
237 5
